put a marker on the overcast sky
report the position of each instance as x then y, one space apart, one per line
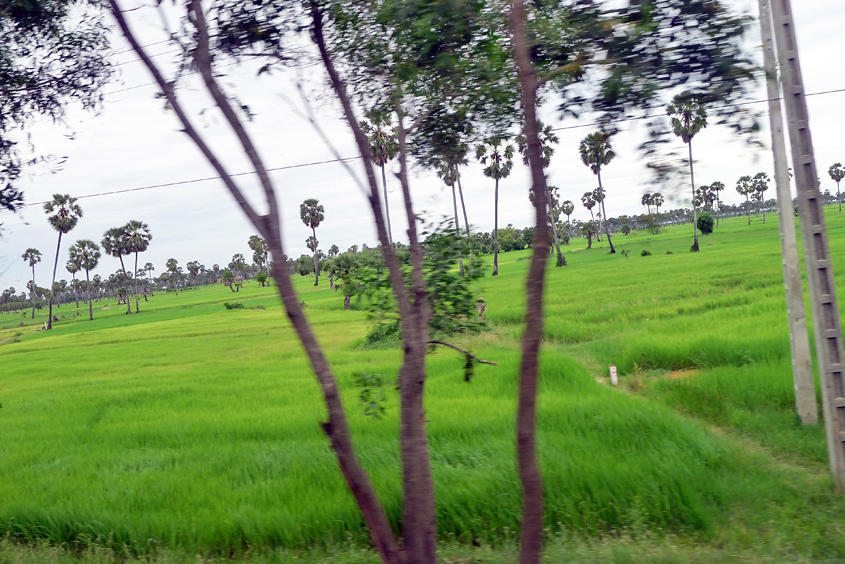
135 143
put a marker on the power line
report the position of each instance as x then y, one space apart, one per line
345 159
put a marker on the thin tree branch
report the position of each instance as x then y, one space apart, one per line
462 351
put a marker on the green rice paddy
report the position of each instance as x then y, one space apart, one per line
191 427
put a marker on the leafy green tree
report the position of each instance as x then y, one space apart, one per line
384 148
62 213
595 153
546 138
334 251
705 223
32 257
115 243
173 274
228 278
715 188
193 270
688 118
837 173
590 229
311 214
760 183
497 154
745 187
86 254
588 201
137 237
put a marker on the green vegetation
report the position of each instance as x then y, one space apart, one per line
195 428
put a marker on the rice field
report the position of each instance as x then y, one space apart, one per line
191 427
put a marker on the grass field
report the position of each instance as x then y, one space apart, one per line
190 427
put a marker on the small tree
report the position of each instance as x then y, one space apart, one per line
705 223
86 254
311 214
837 173
745 187
65 215
567 207
760 183
32 257
497 154
115 244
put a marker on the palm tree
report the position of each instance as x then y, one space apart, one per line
554 215
646 201
589 202
760 184
65 215
115 244
688 118
311 214
194 270
546 136
259 251
384 147
73 268
86 254
448 173
567 207
837 173
32 256
173 273
138 239
745 186
717 187
595 153
499 153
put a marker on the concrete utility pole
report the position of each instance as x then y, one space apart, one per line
826 324
802 364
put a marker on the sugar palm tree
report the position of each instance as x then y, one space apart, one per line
62 214
646 201
567 207
688 118
546 136
589 202
115 244
311 214
86 254
837 173
73 268
497 154
760 183
138 239
745 187
448 173
717 187
384 147
595 153
32 257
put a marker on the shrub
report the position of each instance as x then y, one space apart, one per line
645 253
705 223
235 305
626 229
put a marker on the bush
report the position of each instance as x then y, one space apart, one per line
705 223
626 229
645 253
236 305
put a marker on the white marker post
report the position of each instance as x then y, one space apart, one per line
613 379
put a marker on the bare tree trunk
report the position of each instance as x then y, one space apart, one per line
88 293
694 208
457 225
316 268
604 215
529 469
466 221
32 292
136 283
386 205
53 283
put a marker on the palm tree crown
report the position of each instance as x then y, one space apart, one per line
688 116
66 213
311 213
380 136
497 155
547 138
595 151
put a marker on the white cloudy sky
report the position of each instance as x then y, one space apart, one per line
135 143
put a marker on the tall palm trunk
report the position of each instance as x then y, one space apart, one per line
75 291
53 283
604 215
496 231
123 268
136 283
464 208
32 292
457 226
748 209
560 260
88 293
718 208
316 267
386 205
694 208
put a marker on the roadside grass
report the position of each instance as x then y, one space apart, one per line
191 428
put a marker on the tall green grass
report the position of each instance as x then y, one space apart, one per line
196 427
